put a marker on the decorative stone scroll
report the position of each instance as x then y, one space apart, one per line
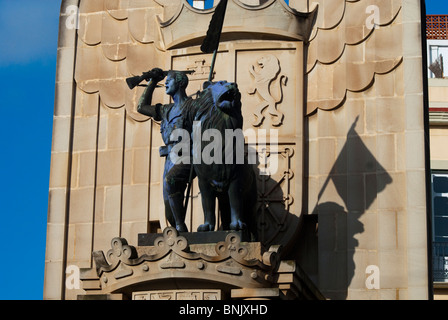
171 244
227 265
228 261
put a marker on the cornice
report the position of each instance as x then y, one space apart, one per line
273 20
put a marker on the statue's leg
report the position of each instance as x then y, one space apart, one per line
168 213
174 184
236 206
224 208
176 202
208 197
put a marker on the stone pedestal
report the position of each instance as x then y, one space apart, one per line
173 268
147 239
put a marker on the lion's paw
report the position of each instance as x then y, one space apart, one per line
182 227
205 227
238 225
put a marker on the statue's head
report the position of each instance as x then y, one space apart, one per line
175 80
226 95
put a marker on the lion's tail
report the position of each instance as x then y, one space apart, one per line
281 83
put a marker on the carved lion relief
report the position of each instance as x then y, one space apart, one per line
266 73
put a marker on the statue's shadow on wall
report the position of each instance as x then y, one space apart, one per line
328 238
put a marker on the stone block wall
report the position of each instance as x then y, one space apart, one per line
364 142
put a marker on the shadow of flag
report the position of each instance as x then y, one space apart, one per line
357 176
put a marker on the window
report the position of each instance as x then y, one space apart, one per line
437 50
439 182
440 206
201 4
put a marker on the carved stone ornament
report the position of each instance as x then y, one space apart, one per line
172 257
173 244
268 83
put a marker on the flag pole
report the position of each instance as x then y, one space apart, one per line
213 36
212 66
209 45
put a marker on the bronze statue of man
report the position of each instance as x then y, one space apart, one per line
176 115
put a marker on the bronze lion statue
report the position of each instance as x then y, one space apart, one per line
219 160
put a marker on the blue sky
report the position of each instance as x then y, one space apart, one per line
28 33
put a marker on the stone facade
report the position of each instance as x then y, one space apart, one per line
346 101
374 211
438 103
